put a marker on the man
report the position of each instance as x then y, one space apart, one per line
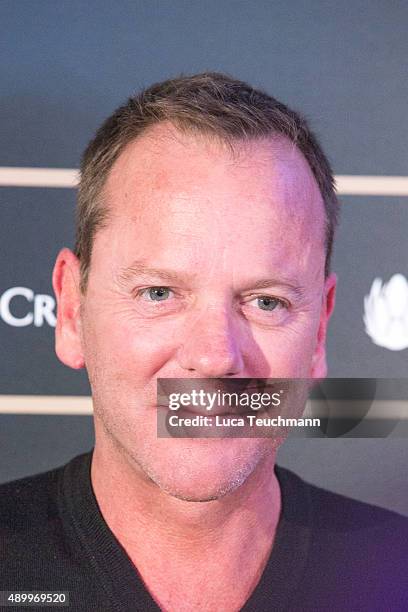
206 215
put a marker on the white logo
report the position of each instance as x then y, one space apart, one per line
41 311
386 313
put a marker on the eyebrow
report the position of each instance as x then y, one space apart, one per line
297 290
139 268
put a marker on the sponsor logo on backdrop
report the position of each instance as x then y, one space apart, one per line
386 313
20 307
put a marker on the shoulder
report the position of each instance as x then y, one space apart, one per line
357 553
344 530
341 514
29 501
33 538
336 512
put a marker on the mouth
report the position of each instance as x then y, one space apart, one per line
212 385
228 397
202 411
215 411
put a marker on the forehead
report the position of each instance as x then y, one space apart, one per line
182 184
164 158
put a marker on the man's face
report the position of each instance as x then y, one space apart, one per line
211 265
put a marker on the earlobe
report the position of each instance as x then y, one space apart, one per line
319 363
66 283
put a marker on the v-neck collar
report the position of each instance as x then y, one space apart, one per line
119 578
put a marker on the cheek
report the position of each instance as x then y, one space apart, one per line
126 350
289 351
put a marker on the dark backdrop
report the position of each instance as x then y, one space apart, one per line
66 65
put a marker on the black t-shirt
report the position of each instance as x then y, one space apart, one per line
330 552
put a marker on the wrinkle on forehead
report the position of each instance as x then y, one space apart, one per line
152 160
184 193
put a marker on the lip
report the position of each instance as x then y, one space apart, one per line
227 385
196 411
201 411
216 410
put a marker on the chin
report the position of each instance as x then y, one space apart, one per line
203 470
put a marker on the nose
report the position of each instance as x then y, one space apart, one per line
211 347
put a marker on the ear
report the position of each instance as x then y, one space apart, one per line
65 280
319 363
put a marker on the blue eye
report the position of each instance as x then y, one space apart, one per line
158 294
268 303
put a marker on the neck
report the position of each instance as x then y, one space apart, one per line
236 530
138 502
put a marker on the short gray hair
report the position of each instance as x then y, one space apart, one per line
209 103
